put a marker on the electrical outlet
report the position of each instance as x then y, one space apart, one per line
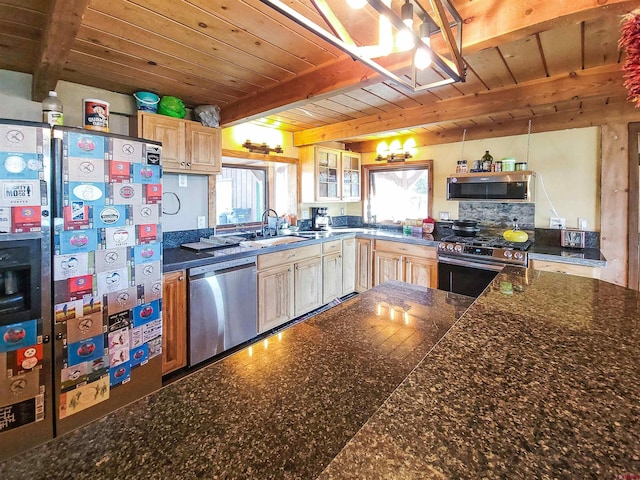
582 223
341 210
202 222
182 180
444 215
557 222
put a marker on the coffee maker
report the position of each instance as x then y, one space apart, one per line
319 218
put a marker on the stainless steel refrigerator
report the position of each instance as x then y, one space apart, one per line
80 306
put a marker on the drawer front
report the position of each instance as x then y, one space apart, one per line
274 259
331 247
406 249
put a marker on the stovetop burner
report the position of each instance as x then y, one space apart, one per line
493 242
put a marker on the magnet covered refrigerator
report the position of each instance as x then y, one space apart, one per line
80 278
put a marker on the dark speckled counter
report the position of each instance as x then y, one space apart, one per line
537 379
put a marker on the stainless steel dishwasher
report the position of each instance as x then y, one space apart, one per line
223 309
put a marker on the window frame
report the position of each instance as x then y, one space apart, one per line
249 225
368 168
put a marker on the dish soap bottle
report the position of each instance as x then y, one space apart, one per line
52 110
487 160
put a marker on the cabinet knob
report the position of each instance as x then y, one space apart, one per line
182 164
188 164
180 278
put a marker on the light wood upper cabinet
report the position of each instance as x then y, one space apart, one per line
329 175
275 297
348 266
174 321
186 146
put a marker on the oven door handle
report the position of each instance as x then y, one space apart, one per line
471 264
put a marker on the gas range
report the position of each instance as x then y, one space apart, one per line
485 248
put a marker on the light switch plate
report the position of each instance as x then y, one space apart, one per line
182 180
557 222
202 222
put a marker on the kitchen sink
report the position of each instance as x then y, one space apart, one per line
272 242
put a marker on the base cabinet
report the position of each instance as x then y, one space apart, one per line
566 268
348 266
416 264
275 297
331 277
174 321
364 264
307 286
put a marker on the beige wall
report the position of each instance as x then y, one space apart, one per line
566 161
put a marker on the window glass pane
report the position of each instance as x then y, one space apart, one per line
398 194
241 195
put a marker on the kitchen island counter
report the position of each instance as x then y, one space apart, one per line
537 379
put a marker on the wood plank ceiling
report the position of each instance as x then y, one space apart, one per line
555 63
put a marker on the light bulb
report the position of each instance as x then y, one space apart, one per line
356 4
422 59
404 40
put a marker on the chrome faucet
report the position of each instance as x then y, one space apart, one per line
264 221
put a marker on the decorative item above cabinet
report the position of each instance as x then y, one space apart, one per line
329 175
187 147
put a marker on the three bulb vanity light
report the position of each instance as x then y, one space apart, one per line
400 48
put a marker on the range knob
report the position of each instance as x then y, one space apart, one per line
442 246
458 248
507 253
450 247
518 256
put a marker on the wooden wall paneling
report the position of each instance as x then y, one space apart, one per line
490 68
601 40
354 105
614 201
634 206
18 53
392 94
25 13
333 105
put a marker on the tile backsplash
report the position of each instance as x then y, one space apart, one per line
499 214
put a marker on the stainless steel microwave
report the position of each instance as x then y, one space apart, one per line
497 187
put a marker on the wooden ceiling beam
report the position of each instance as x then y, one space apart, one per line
594 82
61 29
485 26
578 118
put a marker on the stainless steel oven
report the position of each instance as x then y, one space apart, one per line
467 265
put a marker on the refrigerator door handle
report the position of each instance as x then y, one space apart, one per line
56 169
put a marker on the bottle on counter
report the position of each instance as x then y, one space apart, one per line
52 110
487 160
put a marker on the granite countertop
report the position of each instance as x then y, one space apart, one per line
283 408
540 382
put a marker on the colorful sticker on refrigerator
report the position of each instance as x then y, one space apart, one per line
139 355
20 166
120 374
126 193
86 170
68 310
112 281
85 350
119 172
145 214
146 174
17 138
151 330
147 253
77 241
26 359
147 233
83 397
82 328
74 375
20 387
91 305
80 286
146 313
152 154
153 193
19 192
145 272
76 216
126 150
26 219
18 335
82 145
136 337
115 237
73 265
110 216
111 259
122 300
90 193
155 347
152 290
119 320
21 413
5 219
